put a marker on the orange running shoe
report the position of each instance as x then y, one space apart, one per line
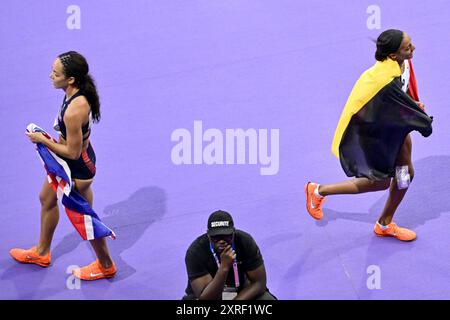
31 256
395 231
313 202
94 271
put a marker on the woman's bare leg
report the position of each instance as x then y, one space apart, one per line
99 245
49 217
396 195
354 186
362 185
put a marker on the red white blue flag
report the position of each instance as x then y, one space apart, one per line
80 213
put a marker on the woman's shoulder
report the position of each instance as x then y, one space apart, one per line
78 107
79 103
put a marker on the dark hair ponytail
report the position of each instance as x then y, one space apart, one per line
388 42
75 65
380 55
89 90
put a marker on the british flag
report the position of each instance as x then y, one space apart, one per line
80 213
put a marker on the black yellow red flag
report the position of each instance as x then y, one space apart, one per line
375 121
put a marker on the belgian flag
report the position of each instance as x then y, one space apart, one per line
375 121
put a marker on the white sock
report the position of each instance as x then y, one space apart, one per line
381 226
316 192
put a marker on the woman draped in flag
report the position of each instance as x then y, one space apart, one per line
372 139
80 108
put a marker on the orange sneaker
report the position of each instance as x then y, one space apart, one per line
313 202
395 231
94 271
31 256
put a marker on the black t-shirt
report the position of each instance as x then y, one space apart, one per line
200 260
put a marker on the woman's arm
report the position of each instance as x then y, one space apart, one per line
73 120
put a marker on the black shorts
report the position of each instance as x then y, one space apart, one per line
84 167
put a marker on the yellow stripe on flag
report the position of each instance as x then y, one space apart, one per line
368 85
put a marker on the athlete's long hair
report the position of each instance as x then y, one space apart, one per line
75 65
388 42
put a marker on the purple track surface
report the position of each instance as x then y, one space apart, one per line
161 65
